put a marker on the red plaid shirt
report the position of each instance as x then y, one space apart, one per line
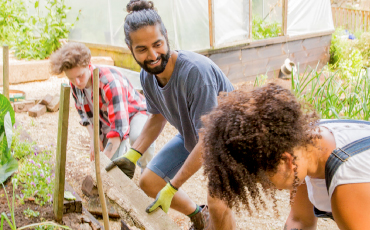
118 102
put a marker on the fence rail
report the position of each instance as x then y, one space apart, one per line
352 20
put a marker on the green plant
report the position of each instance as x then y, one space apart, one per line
262 29
260 80
43 32
21 149
37 177
13 15
363 45
351 66
30 213
333 97
8 165
11 222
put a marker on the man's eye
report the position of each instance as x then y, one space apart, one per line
158 44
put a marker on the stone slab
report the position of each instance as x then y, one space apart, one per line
37 110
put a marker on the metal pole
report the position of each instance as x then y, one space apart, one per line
97 149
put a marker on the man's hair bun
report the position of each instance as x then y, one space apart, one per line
137 5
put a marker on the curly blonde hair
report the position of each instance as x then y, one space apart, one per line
72 54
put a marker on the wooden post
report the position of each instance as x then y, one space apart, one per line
250 36
97 149
60 165
211 18
285 17
334 16
6 71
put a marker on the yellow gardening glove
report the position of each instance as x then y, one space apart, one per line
127 162
163 199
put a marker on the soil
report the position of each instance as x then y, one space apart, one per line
43 130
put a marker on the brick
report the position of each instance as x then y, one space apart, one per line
53 106
23 106
37 110
88 188
46 100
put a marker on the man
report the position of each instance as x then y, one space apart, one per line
180 87
122 110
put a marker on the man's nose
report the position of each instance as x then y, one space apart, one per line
152 55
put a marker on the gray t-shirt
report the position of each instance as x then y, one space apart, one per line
190 93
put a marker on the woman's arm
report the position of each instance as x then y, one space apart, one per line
350 204
301 215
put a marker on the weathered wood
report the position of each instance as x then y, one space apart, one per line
130 201
72 206
285 17
270 51
6 71
23 106
96 146
46 99
211 19
61 152
250 35
95 224
37 110
94 207
53 106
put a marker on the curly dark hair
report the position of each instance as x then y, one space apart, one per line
245 136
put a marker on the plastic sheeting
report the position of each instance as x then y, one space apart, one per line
309 16
231 20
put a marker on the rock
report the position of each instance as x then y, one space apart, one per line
88 188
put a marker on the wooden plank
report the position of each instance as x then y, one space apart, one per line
95 224
228 58
130 201
211 19
72 206
250 36
96 146
235 70
249 54
270 51
6 71
61 152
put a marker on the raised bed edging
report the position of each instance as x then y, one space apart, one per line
27 71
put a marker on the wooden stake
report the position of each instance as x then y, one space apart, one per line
60 165
250 36
285 17
6 71
97 149
211 23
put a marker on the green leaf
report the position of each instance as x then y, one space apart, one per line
36 4
8 169
68 195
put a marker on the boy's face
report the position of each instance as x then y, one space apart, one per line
79 76
150 49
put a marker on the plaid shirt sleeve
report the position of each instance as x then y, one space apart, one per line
84 119
114 93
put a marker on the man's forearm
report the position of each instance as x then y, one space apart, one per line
112 146
152 128
192 164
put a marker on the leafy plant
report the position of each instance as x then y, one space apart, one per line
8 165
11 222
40 36
262 29
13 15
21 149
36 174
30 213
332 97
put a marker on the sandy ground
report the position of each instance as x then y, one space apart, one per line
43 130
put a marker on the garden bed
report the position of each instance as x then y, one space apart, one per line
43 131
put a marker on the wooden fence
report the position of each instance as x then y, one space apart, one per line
352 20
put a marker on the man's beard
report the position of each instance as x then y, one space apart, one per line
158 69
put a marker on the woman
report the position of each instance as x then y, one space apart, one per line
264 137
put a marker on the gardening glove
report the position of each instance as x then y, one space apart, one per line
126 163
163 199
